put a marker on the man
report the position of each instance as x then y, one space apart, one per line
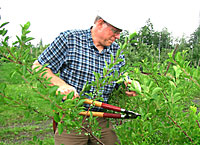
76 54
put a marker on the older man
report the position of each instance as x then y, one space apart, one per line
76 54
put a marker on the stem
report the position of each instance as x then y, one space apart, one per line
44 97
85 116
8 58
151 74
9 98
198 123
10 53
180 128
170 62
83 128
188 74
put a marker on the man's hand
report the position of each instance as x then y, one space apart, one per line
130 93
55 80
66 90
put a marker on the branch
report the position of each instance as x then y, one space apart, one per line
198 123
8 58
18 62
188 74
24 105
170 62
44 97
92 135
180 128
10 53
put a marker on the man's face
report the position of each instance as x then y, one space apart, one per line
109 34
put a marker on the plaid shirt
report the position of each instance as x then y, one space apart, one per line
74 54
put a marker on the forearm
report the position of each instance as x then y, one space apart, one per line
55 80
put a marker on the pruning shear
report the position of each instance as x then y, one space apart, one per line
127 115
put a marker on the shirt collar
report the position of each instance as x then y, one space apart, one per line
107 49
90 40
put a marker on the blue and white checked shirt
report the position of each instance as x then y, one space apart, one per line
74 54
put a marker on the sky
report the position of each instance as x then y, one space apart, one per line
49 18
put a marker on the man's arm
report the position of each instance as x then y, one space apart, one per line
64 88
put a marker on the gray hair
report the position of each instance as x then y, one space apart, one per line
97 18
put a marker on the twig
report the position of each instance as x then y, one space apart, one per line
164 93
44 97
83 128
86 115
24 105
198 123
170 62
8 58
18 62
187 74
10 53
180 128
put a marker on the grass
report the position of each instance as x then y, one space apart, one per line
17 126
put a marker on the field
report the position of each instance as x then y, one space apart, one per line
15 128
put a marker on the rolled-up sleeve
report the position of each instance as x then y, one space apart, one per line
55 54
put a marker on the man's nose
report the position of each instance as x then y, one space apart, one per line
117 36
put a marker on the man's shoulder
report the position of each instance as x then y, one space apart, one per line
76 32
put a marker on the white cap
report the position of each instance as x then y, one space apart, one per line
116 19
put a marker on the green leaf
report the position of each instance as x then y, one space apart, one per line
86 87
70 95
104 71
80 102
193 109
106 64
112 58
134 41
118 52
60 128
132 35
28 39
97 75
116 75
43 74
5 43
4 32
12 74
23 37
177 98
56 117
110 66
136 85
27 32
91 117
120 80
27 25
172 85
24 69
124 45
53 89
4 24
177 70
126 40
156 90
35 138
2 87
19 40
